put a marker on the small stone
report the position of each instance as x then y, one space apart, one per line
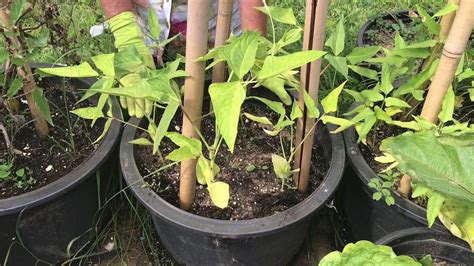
177 128
49 168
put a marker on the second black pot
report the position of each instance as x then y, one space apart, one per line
196 240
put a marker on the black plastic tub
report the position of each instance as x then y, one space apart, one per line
366 218
399 15
196 240
418 242
62 215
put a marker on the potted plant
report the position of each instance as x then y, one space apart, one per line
383 109
49 175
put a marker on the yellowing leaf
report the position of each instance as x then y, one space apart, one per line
386 158
219 192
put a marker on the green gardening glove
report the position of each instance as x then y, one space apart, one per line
126 32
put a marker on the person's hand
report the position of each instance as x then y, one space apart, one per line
127 32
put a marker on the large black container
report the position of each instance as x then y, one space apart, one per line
60 215
196 240
418 242
366 218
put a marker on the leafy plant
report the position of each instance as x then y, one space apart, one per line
21 178
367 253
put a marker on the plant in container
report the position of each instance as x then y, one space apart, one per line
45 172
385 108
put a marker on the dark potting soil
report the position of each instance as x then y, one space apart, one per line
45 160
253 193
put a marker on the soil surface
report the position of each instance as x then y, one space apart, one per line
45 160
254 192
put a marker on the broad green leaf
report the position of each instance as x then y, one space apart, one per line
17 8
420 190
399 41
164 124
360 54
275 65
240 54
424 44
141 141
15 87
341 122
417 81
277 107
413 125
128 60
471 94
339 63
390 59
105 63
281 167
365 72
365 128
3 55
188 147
435 201
219 192
330 102
433 27
358 97
366 253
412 52
289 37
362 115
40 41
296 111
153 24
447 109
227 99
104 131
283 15
439 163
336 39
391 101
84 70
458 217
386 82
259 119
450 7
467 73
312 108
91 113
277 86
382 115
42 104
104 83
204 173
372 95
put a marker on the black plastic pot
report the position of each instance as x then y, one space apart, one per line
196 240
366 218
400 15
60 215
418 242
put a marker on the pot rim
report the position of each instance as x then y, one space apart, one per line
364 172
75 177
225 228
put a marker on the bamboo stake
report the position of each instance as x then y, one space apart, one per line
224 18
454 47
29 83
196 46
315 29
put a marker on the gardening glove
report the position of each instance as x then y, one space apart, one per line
127 32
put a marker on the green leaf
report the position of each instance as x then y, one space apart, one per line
227 99
391 101
164 124
312 108
358 97
336 39
283 15
413 125
259 119
219 192
240 53
365 72
365 128
450 7
424 44
15 87
20 172
458 217
399 41
372 95
471 94
382 115
377 196
4 55
435 201
153 24
341 122
362 115
420 190
84 70
141 141
360 54
17 8
92 113
289 37
442 163
330 102
281 167
339 63
277 107
296 111
386 82
277 86
105 63
417 81
104 131
467 73
447 109
40 41
412 52
204 173
426 260
433 27
128 60
275 65
42 104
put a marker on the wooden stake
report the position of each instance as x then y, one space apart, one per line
315 29
454 47
224 19
196 46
